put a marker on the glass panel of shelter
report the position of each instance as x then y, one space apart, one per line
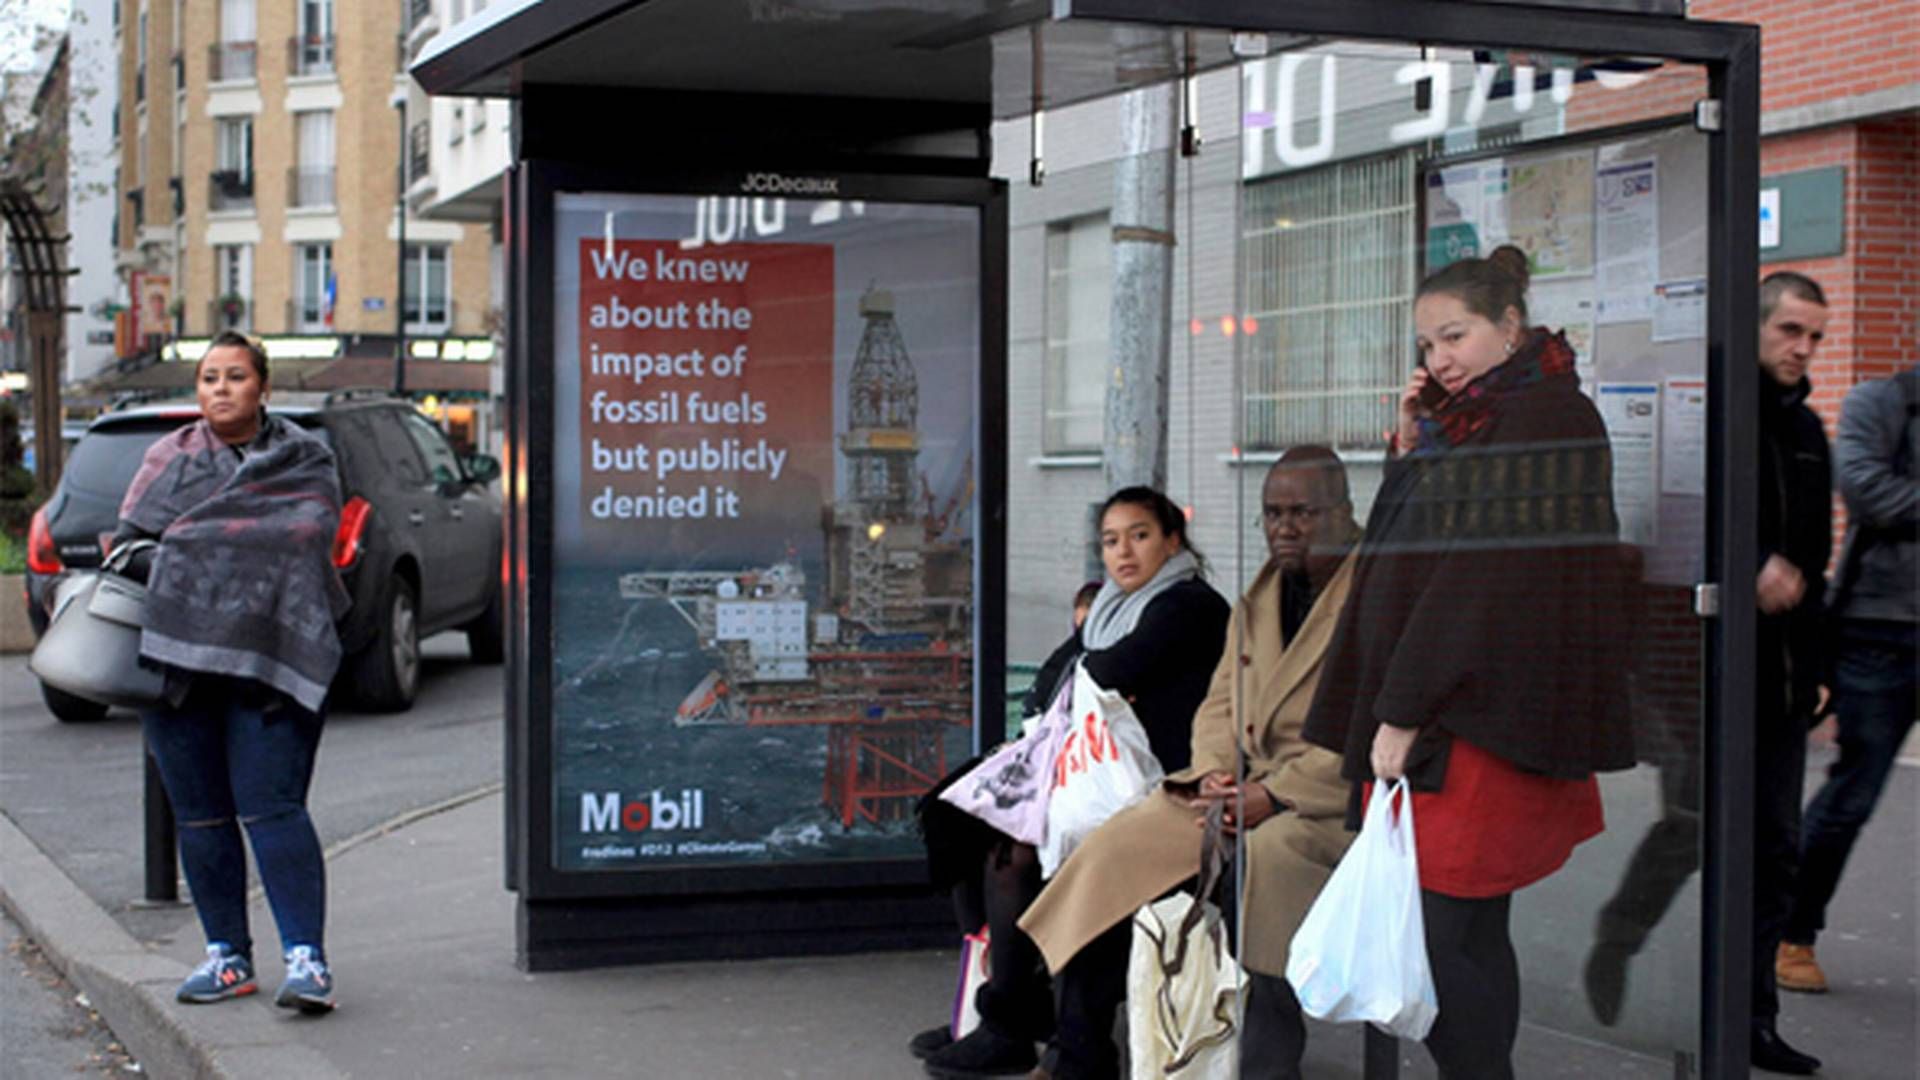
1512 565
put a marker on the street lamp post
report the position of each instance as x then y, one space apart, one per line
400 261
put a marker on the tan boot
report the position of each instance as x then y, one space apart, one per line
1795 968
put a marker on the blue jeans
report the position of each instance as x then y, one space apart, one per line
1874 697
235 754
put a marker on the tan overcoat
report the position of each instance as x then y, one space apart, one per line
1154 845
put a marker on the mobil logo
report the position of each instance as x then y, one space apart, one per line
606 811
1088 743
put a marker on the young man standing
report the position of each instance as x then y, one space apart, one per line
1796 525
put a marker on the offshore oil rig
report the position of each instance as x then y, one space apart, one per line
883 659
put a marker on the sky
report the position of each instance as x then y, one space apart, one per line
18 20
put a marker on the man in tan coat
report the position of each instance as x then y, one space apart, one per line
1292 808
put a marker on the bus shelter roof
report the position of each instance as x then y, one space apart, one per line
979 53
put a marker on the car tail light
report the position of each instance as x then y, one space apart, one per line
42 556
347 542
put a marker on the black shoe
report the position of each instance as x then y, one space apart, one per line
984 1052
1606 979
1771 1053
931 1041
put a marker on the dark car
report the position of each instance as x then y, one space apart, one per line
418 546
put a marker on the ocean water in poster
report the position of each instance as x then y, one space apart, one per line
764 491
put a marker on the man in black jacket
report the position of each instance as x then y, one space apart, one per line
1796 526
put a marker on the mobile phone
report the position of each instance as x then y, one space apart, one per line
1433 395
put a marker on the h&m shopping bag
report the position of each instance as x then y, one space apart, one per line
1009 789
1361 952
1104 765
1183 983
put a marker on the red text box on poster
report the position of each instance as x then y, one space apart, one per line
706 386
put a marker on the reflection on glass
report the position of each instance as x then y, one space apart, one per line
1529 565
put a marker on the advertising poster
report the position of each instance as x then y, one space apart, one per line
763 537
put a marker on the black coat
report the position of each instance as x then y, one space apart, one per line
1490 602
1796 521
1164 666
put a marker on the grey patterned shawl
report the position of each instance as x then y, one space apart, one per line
243 584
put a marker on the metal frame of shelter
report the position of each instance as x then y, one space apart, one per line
561 144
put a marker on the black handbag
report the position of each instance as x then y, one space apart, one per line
92 645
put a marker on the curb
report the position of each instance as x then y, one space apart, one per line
131 986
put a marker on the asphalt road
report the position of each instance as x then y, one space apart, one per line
75 788
45 1028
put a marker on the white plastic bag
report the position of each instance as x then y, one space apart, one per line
1361 952
1104 765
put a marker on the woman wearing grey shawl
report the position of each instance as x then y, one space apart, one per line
1154 635
242 596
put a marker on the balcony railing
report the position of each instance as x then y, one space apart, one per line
230 189
310 185
233 61
419 152
230 313
310 54
306 314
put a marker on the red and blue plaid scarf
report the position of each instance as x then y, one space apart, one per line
1544 357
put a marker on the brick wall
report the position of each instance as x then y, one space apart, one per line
1817 50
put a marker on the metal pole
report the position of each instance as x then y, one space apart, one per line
400 260
1380 1054
163 882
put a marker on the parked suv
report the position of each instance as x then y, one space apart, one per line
418 546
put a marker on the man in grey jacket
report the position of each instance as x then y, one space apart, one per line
1875 604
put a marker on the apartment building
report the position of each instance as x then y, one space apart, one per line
265 148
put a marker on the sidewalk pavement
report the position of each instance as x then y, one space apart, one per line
421 941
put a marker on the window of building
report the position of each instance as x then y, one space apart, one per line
313 168
426 303
1330 278
232 286
313 303
235 149
140 58
235 57
314 53
1079 290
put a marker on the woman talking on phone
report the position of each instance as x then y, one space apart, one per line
1482 652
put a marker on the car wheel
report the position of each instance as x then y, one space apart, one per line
386 674
69 709
487 635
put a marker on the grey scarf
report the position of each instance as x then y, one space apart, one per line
1114 613
243 584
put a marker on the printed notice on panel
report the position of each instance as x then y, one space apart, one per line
1632 415
1683 437
1627 213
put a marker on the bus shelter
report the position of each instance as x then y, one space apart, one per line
810 310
